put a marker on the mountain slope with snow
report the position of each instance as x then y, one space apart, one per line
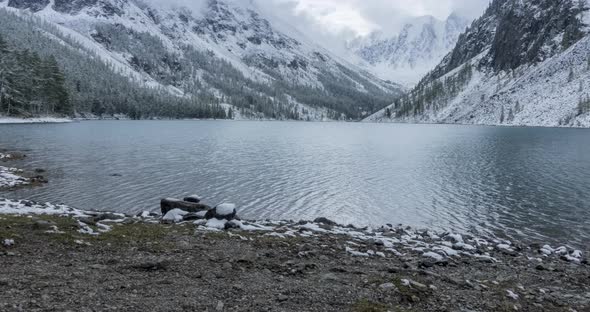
227 49
521 63
413 52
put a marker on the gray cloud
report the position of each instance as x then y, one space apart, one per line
326 19
363 16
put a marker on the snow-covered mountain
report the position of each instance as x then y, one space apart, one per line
410 54
245 59
521 63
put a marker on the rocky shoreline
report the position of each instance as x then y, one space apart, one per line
201 265
12 178
193 257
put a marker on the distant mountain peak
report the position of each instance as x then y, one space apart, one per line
407 56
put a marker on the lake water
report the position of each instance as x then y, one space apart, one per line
531 182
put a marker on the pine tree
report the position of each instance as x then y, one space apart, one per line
54 88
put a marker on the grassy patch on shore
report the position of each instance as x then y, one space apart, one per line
43 227
12 226
369 306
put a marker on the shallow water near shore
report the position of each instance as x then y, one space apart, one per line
524 182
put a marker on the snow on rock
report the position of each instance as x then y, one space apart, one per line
505 247
8 242
463 246
546 250
218 224
577 254
174 215
85 229
512 294
225 209
26 207
570 258
450 252
455 238
561 250
9 177
433 255
356 253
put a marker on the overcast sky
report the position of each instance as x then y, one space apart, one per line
360 17
340 19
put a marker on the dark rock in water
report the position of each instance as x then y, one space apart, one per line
168 204
223 211
326 221
28 203
39 179
193 199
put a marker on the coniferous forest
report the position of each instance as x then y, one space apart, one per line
30 84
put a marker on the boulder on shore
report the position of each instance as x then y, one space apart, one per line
168 204
223 211
193 199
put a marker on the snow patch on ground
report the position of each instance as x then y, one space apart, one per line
14 120
174 215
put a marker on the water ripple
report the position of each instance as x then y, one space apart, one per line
512 182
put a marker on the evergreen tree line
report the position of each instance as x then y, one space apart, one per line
433 96
91 85
584 105
31 85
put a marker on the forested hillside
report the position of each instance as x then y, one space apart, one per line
83 83
31 85
130 57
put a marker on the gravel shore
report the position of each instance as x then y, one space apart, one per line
50 264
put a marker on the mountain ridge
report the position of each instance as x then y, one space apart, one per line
411 53
520 63
278 74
